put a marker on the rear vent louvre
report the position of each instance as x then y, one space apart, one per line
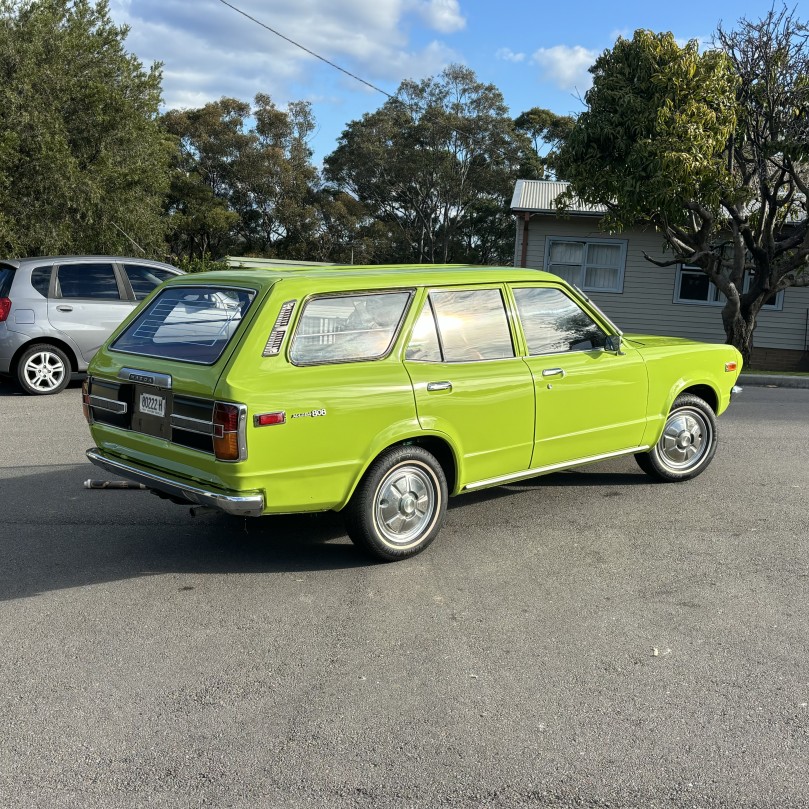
273 346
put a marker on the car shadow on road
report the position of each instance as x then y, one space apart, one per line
58 534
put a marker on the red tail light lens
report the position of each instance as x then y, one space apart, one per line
5 308
228 422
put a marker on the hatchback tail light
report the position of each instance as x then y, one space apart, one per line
5 308
229 442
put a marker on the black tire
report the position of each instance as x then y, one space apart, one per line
688 442
399 505
43 370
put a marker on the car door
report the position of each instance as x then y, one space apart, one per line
469 383
589 401
88 304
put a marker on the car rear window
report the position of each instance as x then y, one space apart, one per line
6 277
190 324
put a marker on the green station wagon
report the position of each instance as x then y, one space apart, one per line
381 391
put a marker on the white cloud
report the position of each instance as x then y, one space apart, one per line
566 66
508 55
209 50
441 15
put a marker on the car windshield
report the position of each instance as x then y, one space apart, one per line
190 324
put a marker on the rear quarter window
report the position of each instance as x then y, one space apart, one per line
348 328
190 324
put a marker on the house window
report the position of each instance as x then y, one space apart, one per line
592 265
693 286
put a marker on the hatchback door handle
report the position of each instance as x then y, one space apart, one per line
64 308
439 386
553 372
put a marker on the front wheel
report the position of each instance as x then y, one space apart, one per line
688 442
399 505
43 369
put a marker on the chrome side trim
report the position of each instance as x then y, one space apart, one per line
542 470
192 425
102 403
251 505
145 377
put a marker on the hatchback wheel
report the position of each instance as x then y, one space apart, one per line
43 369
688 442
398 507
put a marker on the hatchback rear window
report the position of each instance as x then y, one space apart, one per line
190 324
6 277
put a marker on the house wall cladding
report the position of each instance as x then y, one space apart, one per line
646 304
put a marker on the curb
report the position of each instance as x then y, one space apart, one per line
774 381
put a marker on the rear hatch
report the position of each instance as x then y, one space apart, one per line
156 380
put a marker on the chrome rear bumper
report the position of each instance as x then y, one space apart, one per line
251 505
735 391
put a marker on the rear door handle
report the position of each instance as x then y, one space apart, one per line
439 386
64 308
553 372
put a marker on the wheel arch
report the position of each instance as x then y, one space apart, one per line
705 392
64 347
439 446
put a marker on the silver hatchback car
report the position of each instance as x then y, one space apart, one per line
57 311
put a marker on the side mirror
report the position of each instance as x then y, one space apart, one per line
614 344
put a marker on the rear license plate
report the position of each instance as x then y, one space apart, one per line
152 405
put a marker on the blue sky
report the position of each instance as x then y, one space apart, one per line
536 53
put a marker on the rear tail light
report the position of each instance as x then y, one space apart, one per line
229 432
5 308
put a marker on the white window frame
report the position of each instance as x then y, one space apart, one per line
718 298
619 287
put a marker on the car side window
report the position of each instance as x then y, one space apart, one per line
95 281
144 279
347 328
41 280
553 323
424 345
472 325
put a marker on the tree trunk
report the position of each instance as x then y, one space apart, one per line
739 323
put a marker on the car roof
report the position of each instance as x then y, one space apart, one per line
37 260
390 275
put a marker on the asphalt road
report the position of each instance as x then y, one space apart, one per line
587 639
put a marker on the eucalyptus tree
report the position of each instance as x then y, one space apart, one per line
437 157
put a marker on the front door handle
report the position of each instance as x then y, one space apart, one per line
64 308
554 372
439 386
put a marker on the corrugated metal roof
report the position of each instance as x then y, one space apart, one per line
540 195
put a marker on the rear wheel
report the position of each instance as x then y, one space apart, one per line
43 369
688 442
398 507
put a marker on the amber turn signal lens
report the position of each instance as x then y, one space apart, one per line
731 366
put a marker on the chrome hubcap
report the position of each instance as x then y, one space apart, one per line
685 439
44 371
405 504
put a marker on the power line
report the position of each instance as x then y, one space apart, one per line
310 52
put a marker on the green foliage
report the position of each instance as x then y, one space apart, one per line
441 154
83 162
204 263
548 131
654 133
243 179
